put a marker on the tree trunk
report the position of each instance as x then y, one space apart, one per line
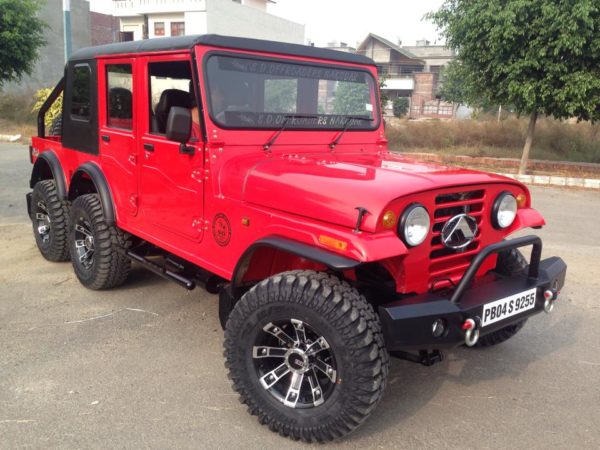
528 142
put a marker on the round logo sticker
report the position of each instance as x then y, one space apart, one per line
221 229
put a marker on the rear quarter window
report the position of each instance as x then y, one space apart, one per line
82 92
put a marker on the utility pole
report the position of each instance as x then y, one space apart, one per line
67 28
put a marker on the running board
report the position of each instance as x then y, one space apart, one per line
161 271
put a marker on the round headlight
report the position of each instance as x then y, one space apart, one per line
504 210
414 225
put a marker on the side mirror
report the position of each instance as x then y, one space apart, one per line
179 124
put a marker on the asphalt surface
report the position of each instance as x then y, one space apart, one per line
141 366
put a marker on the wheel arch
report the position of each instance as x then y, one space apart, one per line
88 179
294 249
277 254
47 167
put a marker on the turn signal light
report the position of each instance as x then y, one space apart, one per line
333 243
521 200
388 220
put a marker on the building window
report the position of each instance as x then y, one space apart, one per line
159 28
80 101
177 28
120 100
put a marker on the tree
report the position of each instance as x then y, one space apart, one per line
21 36
400 106
351 98
541 57
384 99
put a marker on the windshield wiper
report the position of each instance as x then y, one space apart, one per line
267 145
349 119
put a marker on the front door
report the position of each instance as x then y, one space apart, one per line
171 181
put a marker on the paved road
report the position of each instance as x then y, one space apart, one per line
142 366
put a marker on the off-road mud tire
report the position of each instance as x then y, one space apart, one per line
509 263
109 266
349 324
52 243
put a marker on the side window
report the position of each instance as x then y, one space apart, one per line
119 85
170 85
81 97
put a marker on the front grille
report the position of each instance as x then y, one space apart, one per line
447 263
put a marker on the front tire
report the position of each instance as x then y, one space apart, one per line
97 248
49 217
306 354
510 263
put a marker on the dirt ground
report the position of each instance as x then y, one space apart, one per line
141 366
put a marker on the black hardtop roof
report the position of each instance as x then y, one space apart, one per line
187 42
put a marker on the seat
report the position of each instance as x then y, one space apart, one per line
168 99
120 102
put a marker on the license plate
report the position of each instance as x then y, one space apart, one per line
507 307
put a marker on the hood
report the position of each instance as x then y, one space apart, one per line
331 187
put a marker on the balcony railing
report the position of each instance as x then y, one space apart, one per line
125 7
399 70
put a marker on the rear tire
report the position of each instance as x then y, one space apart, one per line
97 249
298 394
510 263
49 217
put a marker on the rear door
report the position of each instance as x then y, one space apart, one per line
171 182
117 127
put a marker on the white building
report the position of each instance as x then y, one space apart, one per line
140 19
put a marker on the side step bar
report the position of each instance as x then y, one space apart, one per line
162 271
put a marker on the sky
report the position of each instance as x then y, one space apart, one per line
351 21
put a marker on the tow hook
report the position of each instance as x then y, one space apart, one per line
471 328
550 296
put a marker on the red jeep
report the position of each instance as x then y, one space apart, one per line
261 171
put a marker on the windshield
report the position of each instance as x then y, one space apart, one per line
246 92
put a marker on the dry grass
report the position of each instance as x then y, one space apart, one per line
16 116
553 140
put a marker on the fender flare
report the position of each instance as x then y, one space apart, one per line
102 188
50 159
330 259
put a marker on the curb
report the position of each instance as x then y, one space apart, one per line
549 180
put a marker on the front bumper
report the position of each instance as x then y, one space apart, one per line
408 323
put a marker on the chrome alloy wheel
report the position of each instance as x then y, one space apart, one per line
84 243
43 221
294 363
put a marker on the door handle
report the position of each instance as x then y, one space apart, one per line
106 138
149 147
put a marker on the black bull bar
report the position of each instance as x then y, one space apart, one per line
408 324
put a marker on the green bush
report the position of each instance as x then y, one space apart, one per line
400 106
54 111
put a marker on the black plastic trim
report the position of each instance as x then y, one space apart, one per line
50 159
330 259
215 40
102 188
